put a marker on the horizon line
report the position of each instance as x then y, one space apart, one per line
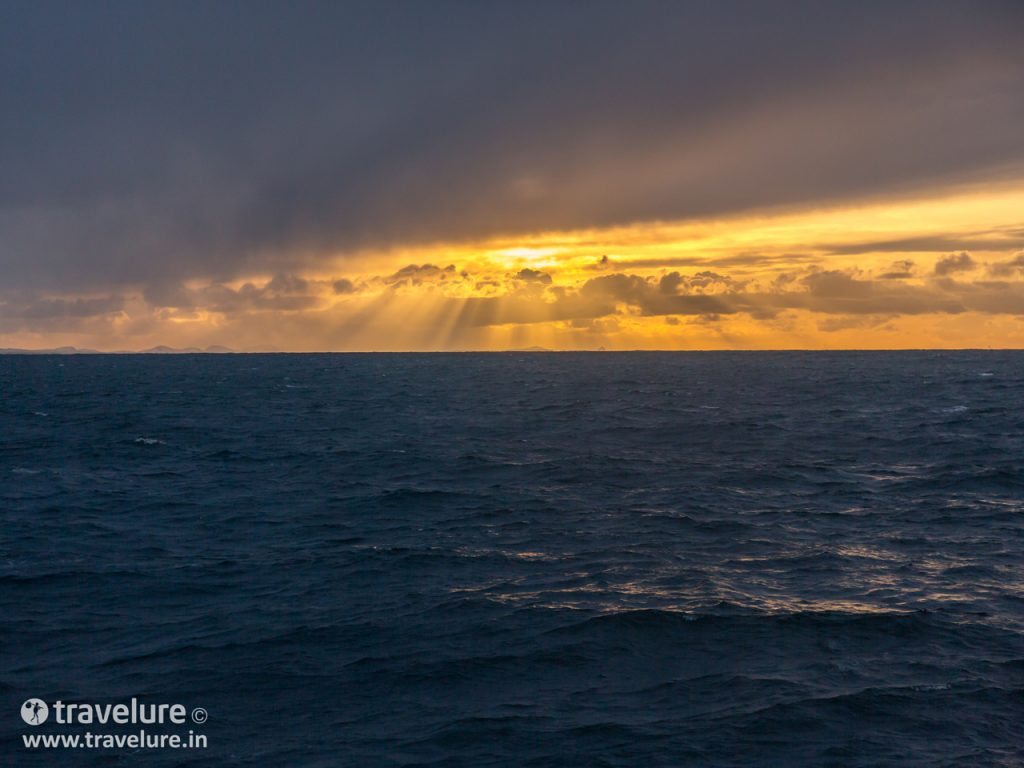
68 352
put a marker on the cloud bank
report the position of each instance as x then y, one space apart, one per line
229 170
148 143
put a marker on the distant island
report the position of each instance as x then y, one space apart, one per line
160 350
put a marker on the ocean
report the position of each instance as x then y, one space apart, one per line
519 559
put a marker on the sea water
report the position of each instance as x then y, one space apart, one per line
637 559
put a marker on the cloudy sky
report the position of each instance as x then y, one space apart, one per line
492 175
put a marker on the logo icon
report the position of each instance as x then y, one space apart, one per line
35 711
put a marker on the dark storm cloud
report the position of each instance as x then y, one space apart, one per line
417 274
670 283
650 297
821 291
834 292
54 309
283 292
528 275
1009 268
674 283
48 314
150 143
955 262
900 270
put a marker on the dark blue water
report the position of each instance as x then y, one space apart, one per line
521 559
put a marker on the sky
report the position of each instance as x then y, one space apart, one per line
309 176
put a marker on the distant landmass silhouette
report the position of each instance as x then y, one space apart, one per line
158 350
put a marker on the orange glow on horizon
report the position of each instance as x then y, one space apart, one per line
857 276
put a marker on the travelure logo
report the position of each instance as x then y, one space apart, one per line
35 711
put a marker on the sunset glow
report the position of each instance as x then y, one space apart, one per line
935 271
682 180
